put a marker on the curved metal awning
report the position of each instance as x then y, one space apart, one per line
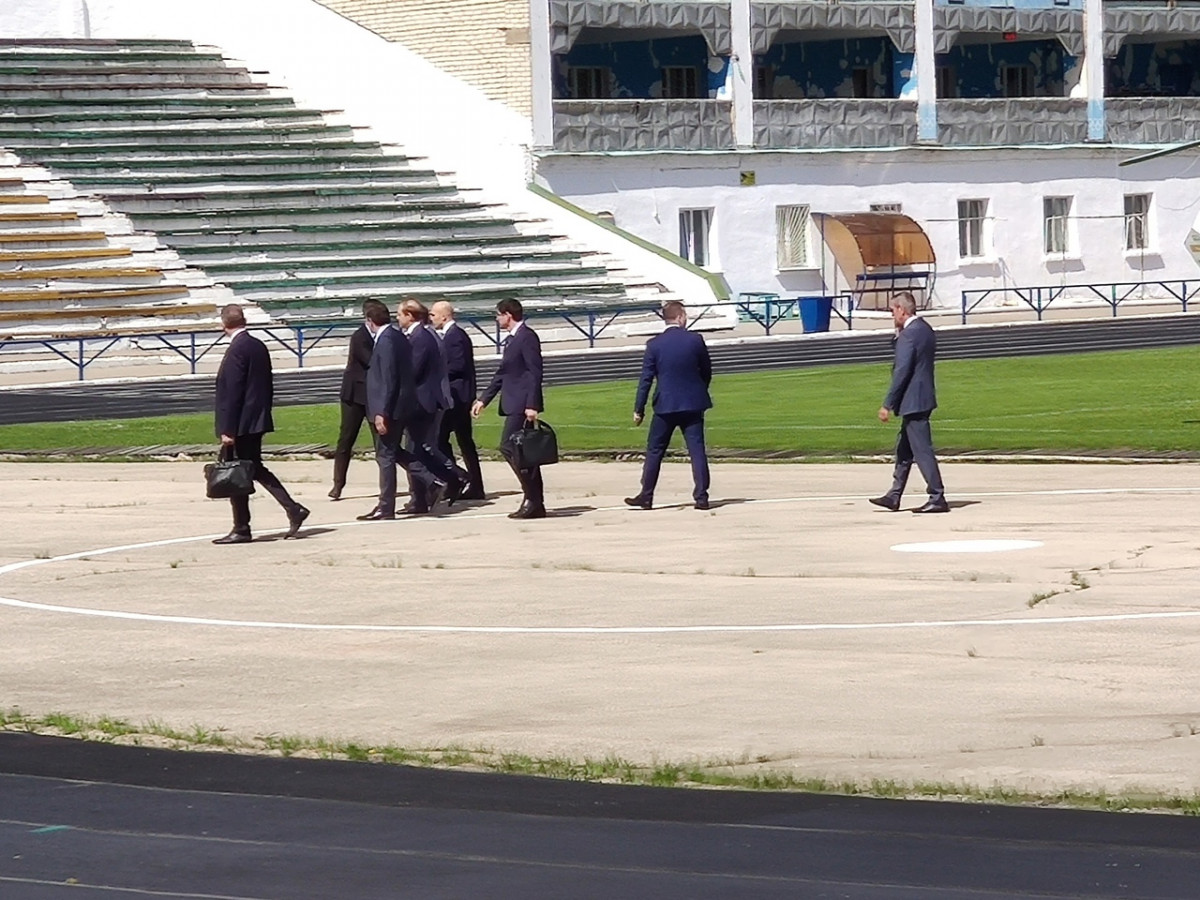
864 241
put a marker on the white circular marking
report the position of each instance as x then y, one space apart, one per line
982 546
593 629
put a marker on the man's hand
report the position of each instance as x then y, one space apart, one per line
637 418
531 415
227 440
884 414
476 409
380 425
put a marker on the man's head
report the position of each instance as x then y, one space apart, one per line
674 313
232 318
412 311
376 315
904 307
508 313
441 313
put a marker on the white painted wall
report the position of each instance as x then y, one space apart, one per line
645 193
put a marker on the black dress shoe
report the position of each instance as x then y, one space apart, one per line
295 519
933 506
640 502
528 511
335 493
473 493
376 515
886 501
234 537
413 509
454 491
702 504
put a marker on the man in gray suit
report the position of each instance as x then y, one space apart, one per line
391 400
912 396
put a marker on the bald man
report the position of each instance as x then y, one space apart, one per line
459 353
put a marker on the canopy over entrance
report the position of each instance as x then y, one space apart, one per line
874 255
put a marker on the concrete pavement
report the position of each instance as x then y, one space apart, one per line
779 631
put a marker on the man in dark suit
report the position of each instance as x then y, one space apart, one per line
518 381
677 361
244 394
459 353
391 401
912 396
353 397
430 473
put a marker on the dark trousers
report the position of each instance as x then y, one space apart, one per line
352 419
427 463
531 479
915 443
388 454
249 446
457 421
662 428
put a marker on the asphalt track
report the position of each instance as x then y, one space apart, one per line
88 820
297 386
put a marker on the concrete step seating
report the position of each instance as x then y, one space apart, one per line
68 267
290 208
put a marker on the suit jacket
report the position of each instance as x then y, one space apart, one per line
354 379
460 364
429 370
518 379
245 388
912 390
677 360
390 386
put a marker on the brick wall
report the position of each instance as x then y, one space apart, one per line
483 42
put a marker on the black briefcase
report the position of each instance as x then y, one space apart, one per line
229 476
534 445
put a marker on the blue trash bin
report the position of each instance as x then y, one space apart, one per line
814 313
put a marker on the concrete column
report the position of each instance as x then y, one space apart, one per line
925 65
742 74
1093 68
542 80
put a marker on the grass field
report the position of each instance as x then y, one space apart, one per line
1141 401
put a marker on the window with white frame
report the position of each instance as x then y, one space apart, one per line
972 225
695 228
680 83
588 82
1056 225
1137 221
792 236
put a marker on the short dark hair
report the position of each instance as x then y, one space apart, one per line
673 310
377 312
511 307
233 317
416 309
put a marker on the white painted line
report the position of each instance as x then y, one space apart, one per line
981 546
587 629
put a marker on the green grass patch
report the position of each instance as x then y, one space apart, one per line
756 775
1129 402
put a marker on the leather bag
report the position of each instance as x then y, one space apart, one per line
229 476
534 445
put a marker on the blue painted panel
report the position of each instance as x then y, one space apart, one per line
636 66
977 67
1168 68
817 69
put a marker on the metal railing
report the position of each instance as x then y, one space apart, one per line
1040 298
301 338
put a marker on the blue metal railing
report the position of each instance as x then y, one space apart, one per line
1039 298
300 338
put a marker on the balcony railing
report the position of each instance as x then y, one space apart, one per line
589 126
814 124
1152 120
1025 120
